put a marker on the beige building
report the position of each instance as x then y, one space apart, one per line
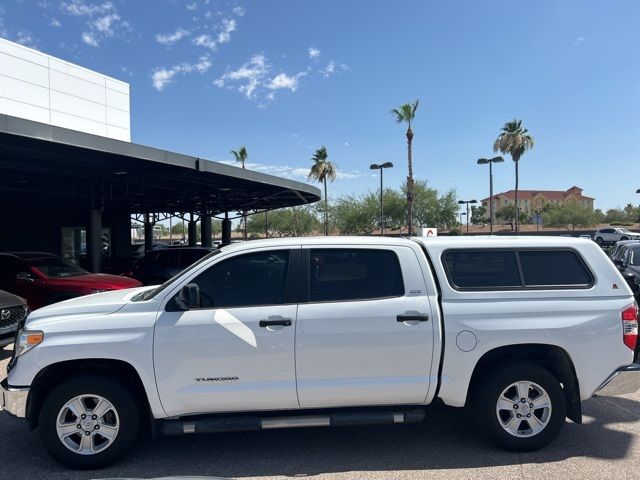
532 200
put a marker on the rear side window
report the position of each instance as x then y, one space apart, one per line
482 268
353 274
500 269
554 268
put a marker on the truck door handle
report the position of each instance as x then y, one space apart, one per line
415 317
273 321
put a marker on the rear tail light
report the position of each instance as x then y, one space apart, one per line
630 326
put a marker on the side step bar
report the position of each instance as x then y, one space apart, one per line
251 423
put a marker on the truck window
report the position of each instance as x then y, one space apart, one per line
554 268
482 269
248 280
338 274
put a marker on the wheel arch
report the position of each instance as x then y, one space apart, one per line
553 358
54 374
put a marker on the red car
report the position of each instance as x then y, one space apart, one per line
44 278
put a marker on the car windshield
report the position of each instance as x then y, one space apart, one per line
624 230
146 295
55 267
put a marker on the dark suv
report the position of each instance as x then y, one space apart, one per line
158 266
13 311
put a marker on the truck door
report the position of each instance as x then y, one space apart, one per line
365 330
235 352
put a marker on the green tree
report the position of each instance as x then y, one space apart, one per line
508 215
394 208
321 171
432 209
406 113
354 215
294 221
241 156
515 141
478 214
179 229
599 215
569 216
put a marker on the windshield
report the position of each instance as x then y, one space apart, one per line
55 267
624 230
146 295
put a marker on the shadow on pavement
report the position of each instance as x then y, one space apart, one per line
447 440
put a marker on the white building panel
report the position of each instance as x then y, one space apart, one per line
45 89
24 92
79 107
24 70
78 87
117 100
118 118
80 124
24 110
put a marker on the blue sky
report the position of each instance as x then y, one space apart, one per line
285 77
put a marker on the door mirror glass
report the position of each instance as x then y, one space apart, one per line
189 297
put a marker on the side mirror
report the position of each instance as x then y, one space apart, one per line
24 276
189 297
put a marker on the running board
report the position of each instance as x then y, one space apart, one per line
252 423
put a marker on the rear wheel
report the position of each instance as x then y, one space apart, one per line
624 238
521 408
599 241
88 422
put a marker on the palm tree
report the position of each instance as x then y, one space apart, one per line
515 141
321 170
405 114
241 156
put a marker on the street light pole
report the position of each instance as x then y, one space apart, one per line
537 212
490 161
381 167
467 202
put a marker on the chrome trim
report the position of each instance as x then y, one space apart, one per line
623 381
14 399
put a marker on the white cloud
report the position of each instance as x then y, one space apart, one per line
161 77
89 39
282 80
239 11
205 41
171 38
346 144
287 171
54 23
251 75
332 67
25 38
191 6
314 52
228 26
578 41
102 20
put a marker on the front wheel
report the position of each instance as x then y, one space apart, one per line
599 241
622 239
88 422
522 408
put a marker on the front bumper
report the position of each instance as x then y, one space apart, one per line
623 381
13 399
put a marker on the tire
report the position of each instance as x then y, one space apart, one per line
502 384
121 411
599 241
624 238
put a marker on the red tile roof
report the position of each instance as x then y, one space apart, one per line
548 194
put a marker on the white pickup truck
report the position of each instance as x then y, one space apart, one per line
332 332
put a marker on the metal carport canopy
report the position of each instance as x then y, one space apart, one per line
53 161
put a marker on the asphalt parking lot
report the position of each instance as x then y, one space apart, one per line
446 446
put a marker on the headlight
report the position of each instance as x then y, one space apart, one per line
26 340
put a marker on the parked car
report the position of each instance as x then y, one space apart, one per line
137 249
585 235
615 252
13 310
338 331
45 278
611 235
158 266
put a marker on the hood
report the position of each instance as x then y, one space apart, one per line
86 306
96 280
10 300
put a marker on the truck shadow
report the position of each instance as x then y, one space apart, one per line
447 440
